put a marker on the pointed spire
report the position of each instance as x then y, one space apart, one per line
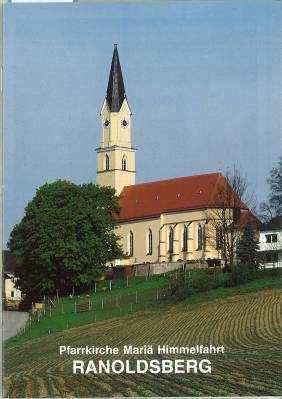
115 90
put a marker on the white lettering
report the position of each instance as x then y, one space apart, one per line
78 365
104 367
167 366
179 366
91 367
141 370
62 349
155 367
191 364
205 366
118 366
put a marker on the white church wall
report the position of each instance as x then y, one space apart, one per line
160 228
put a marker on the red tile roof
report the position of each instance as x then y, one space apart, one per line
148 200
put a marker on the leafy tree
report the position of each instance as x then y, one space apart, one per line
273 207
65 238
248 246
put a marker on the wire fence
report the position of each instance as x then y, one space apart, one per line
102 302
109 298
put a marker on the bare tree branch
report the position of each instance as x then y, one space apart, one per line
231 199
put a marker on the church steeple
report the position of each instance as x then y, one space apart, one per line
116 156
115 90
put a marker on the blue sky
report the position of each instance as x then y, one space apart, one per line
203 81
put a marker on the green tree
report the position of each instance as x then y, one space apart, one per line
248 246
273 207
65 238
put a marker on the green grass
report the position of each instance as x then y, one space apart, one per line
118 301
122 301
221 293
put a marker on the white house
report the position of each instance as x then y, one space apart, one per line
271 243
11 293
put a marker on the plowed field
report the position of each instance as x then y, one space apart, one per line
249 326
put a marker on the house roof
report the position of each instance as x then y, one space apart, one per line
9 261
245 217
115 90
273 224
149 200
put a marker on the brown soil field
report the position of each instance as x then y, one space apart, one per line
249 326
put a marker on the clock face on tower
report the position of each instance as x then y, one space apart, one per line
124 123
107 123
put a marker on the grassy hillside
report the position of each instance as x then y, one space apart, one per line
248 325
127 296
123 297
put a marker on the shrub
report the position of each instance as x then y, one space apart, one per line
207 279
201 281
242 273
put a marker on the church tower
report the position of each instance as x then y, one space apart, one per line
116 156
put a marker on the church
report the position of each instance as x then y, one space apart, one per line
160 221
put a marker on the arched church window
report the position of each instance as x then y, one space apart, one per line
237 247
200 237
149 242
219 236
124 163
107 162
170 241
131 244
185 239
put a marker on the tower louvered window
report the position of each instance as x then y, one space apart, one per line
123 163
